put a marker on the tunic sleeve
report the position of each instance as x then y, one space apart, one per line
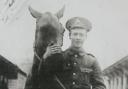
97 77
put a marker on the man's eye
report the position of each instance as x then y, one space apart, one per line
75 34
81 35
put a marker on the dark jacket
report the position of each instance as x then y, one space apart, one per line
73 69
81 71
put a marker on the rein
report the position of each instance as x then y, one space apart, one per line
35 53
39 58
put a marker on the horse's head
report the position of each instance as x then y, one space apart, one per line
48 28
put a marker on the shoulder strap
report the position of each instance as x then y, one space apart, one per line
90 54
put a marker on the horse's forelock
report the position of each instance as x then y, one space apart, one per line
46 34
48 19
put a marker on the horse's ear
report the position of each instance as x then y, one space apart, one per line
60 13
34 13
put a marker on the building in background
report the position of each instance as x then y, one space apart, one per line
11 17
11 76
116 75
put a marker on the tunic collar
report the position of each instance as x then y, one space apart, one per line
73 51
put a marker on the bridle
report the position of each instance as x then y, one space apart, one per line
34 47
36 54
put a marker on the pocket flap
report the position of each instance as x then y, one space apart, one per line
87 70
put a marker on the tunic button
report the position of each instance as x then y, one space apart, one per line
74 73
73 83
76 55
75 63
68 64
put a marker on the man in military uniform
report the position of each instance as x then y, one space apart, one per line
80 69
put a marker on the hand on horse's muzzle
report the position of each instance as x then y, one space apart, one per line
50 50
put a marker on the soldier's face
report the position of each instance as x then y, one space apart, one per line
78 36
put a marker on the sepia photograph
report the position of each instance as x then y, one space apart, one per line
63 44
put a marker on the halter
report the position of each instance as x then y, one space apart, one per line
35 53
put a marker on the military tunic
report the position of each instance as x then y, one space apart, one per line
81 71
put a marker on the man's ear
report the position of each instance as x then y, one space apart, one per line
69 35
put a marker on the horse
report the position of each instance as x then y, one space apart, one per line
49 31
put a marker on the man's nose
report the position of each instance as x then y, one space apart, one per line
78 37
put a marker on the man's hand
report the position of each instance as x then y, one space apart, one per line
52 50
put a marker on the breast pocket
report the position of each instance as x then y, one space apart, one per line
85 72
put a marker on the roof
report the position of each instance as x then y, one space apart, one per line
9 69
119 65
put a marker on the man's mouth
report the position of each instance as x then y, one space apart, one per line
78 41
